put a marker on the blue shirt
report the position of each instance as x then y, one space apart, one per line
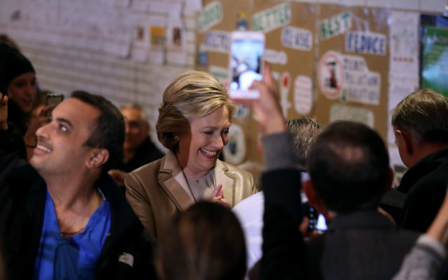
73 257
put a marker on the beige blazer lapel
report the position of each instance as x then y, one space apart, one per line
173 181
227 179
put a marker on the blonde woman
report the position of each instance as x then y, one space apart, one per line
194 122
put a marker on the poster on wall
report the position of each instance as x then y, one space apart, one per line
289 31
353 64
435 59
404 47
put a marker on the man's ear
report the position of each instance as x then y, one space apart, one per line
98 158
403 138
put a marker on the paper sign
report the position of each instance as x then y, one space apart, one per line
210 16
297 38
217 41
303 98
272 18
275 57
331 74
335 25
404 47
235 150
360 85
350 113
365 42
285 84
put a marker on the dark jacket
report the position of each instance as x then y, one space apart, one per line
425 184
146 153
361 245
22 205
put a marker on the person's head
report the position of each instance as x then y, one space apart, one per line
86 131
17 78
194 119
303 132
137 126
4 38
420 118
204 242
349 169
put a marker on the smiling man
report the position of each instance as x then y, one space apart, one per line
63 217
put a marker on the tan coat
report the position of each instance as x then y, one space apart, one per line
156 194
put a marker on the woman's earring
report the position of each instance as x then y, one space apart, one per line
176 138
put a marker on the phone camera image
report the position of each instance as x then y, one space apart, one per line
246 63
246 57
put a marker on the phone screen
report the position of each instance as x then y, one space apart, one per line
246 55
53 99
317 221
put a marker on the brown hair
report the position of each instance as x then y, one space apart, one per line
423 114
204 242
193 94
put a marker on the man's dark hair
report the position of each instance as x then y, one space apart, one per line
349 167
109 132
304 132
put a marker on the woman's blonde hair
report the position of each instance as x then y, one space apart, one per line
192 95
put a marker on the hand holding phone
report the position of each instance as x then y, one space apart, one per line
245 63
53 99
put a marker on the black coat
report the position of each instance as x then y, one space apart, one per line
22 205
146 153
425 184
360 245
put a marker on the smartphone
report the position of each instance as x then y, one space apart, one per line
317 221
53 99
245 63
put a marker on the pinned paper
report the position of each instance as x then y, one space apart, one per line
285 84
351 113
210 16
235 150
366 42
297 38
331 74
272 18
217 41
361 85
303 98
275 57
335 25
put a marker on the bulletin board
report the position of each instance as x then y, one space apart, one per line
289 29
353 65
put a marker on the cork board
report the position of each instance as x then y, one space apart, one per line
289 29
353 64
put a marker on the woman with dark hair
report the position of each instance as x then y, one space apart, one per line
204 242
18 82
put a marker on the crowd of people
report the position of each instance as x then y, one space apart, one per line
86 194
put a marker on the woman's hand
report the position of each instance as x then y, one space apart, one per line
4 112
218 197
